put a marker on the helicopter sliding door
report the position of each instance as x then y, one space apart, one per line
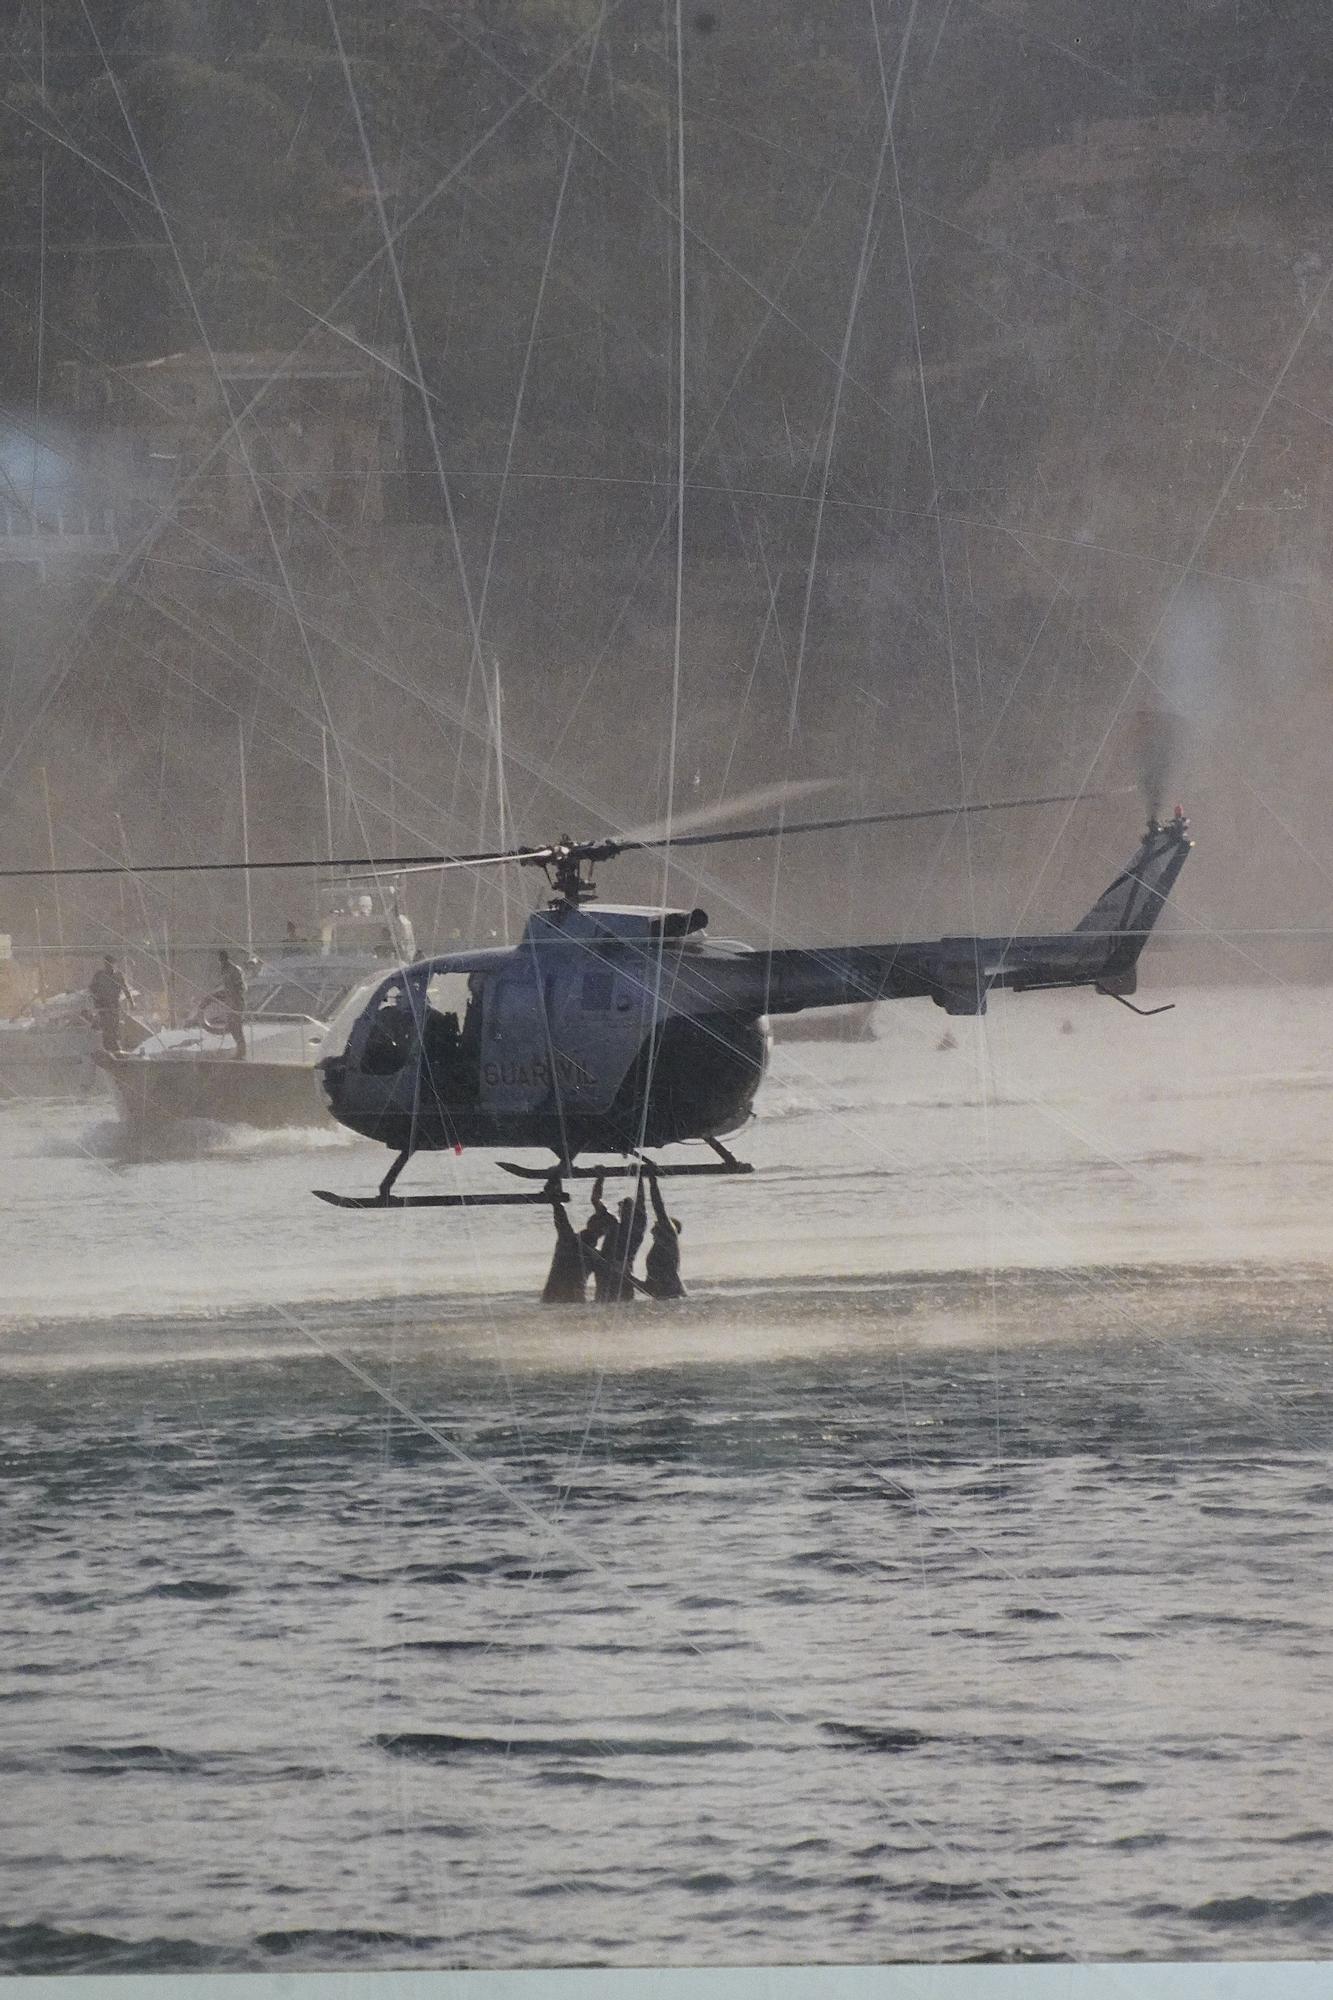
515 1043
557 1040
599 1013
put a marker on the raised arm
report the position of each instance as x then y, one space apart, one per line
601 1221
660 1215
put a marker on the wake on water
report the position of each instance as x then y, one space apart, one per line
118 1141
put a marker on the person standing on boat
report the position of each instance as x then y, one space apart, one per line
231 993
106 990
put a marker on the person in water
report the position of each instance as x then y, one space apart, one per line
613 1275
577 1252
661 1269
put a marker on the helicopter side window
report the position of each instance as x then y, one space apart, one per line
597 990
447 997
450 1005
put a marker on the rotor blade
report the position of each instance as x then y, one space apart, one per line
389 864
701 816
349 867
861 819
438 864
657 833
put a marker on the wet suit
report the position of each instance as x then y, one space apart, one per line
577 1253
661 1268
616 1281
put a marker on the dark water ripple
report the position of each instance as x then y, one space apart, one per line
437 1745
921 1654
30 1948
864 1736
1312 1913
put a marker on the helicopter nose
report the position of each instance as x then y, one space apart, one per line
332 1070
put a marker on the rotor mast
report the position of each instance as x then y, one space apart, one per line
567 866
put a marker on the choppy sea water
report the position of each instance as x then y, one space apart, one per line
864 1607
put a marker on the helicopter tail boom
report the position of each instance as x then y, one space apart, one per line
959 973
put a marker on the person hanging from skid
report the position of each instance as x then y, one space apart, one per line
614 1281
586 1253
577 1252
607 1245
661 1269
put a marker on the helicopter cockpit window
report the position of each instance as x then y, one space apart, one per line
598 987
392 1034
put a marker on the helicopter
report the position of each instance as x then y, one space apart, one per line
621 1029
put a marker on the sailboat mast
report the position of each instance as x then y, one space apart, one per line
328 796
245 842
500 801
51 846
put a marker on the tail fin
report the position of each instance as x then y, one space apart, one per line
1124 914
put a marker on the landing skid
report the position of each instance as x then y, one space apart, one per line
434 1200
550 1177
728 1164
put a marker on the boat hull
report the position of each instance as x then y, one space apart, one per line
218 1088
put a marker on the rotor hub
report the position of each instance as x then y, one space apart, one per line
568 869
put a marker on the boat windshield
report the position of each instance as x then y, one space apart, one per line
313 998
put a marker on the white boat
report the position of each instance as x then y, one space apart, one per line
194 1072
299 1002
